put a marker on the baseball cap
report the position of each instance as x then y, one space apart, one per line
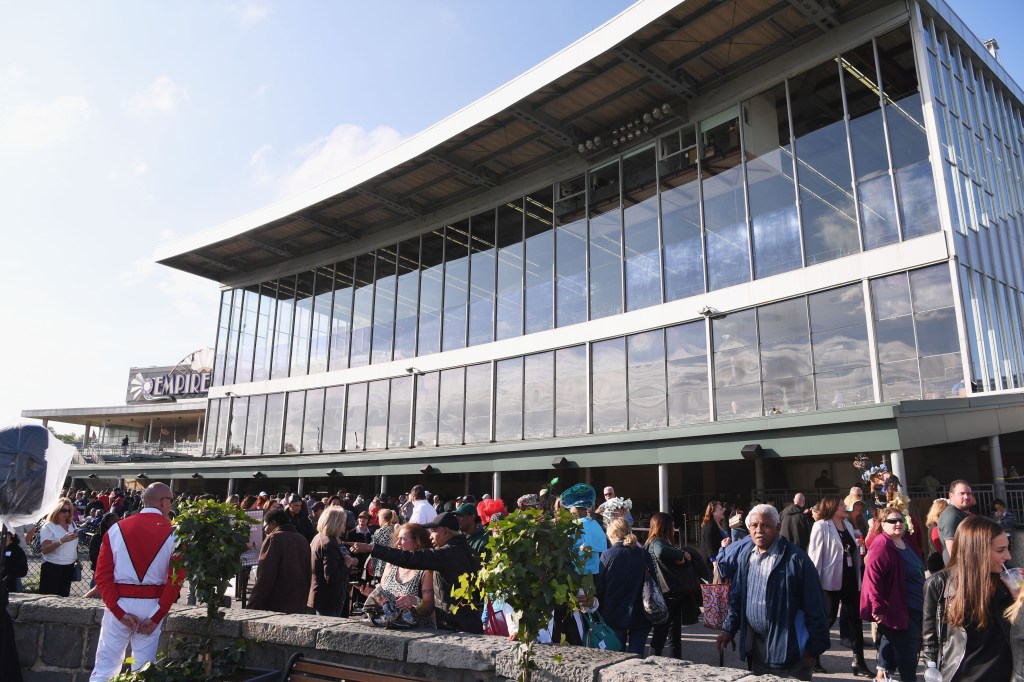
263 494
446 520
466 508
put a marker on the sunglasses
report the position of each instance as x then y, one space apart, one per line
65 511
893 521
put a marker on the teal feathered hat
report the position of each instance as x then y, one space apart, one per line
580 495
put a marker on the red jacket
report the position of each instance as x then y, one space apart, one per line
883 591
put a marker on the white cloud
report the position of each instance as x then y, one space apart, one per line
346 147
188 295
163 96
139 168
251 12
29 127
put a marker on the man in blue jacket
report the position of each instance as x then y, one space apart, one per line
776 603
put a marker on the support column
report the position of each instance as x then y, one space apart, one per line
300 485
383 484
759 475
465 484
85 438
995 454
231 487
149 436
588 475
663 488
496 485
897 466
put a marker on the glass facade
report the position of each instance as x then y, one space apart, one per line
831 162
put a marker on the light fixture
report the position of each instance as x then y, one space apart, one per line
640 125
259 474
427 470
197 475
92 476
333 473
560 463
413 370
142 475
229 394
712 313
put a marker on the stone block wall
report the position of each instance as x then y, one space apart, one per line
56 640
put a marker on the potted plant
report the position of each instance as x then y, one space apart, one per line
534 567
211 537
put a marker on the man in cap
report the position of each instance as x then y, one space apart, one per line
476 535
133 574
450 558
298 517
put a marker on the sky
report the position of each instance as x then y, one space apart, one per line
127 124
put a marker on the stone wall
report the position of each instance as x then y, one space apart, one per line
56 640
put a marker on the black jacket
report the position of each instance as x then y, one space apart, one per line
329 587
448 563
303 525
796 526
15 566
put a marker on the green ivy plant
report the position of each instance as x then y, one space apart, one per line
211 537
533 567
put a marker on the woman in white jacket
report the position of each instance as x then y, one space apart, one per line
833 549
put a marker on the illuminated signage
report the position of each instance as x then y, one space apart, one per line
167 383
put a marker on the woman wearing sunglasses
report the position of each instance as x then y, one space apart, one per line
58 541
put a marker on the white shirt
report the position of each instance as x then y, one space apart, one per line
422 512
65 554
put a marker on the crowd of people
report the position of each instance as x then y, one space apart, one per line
940 592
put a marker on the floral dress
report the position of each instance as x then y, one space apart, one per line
391 588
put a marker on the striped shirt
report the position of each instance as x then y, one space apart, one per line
761 566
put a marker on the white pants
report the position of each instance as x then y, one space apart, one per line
115 637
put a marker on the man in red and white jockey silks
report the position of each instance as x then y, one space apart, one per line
134 576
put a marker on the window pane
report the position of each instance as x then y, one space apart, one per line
737 402
609 378
398 414
605 242
377 400
482 272
792 394
570 391
823 165
274 424
540 259
362 311
571 253
303 321
850 386
431 286
936 332
247 335
264 331
680 215
334 418
510 270
648 400
355 418
236 426
900 380
293 421
321 334
407 298
772 190
341 316
890 296
786 358
918 206
725 215
254 424
222 337
931 288
478 403
451 410
231 345
456 285
539 396
508 413
837 308
687 373
384 305
942 376
426 409
783 320
283 327
313 422
643 257
895 339
843 348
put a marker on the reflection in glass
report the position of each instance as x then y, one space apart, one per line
246 336
456 285
481 283
407 298
431 287
334 419
648 399
608 360
571 253
571 391
539 395
900 380
293 421
509 294
640 215
223 416
264 332
222 338
341 315
377 400
283 327
451 408
508 404
680 215
427 386
301 325
384 305
236 432
540 261
842 387
274 424
399 412
605 243
355 417
687 373
942 376
362 311
736 366
478 403
787 395
321 334
725 215
314 420
254 425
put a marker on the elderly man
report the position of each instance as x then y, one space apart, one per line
450 558
133 574
797 523
776 604
961 497
609 494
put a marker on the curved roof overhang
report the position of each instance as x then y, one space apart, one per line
654 53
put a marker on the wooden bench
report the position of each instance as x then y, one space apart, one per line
301 669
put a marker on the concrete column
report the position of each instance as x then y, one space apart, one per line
897 466
88 428
300 485
588 475
231 487
663 488
465 484
496 485
149 437
46 423
383 483
759 474
995 454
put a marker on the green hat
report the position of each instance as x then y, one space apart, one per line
580 495
466 508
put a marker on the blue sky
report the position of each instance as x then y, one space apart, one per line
127 124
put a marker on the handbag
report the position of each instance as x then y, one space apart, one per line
715 597
599 635
660 572
77 574
495 624
654 599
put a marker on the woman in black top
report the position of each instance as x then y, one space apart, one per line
712 537
15 563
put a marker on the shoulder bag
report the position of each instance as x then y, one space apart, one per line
654 599
599 634
716 602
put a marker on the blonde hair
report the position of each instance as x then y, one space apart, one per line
938 506
619 529
386 517
54 515
332 522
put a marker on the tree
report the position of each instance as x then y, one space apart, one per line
68 438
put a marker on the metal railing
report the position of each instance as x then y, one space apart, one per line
113 452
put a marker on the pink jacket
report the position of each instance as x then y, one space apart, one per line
883 591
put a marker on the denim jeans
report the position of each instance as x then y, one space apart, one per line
899 648
634 639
